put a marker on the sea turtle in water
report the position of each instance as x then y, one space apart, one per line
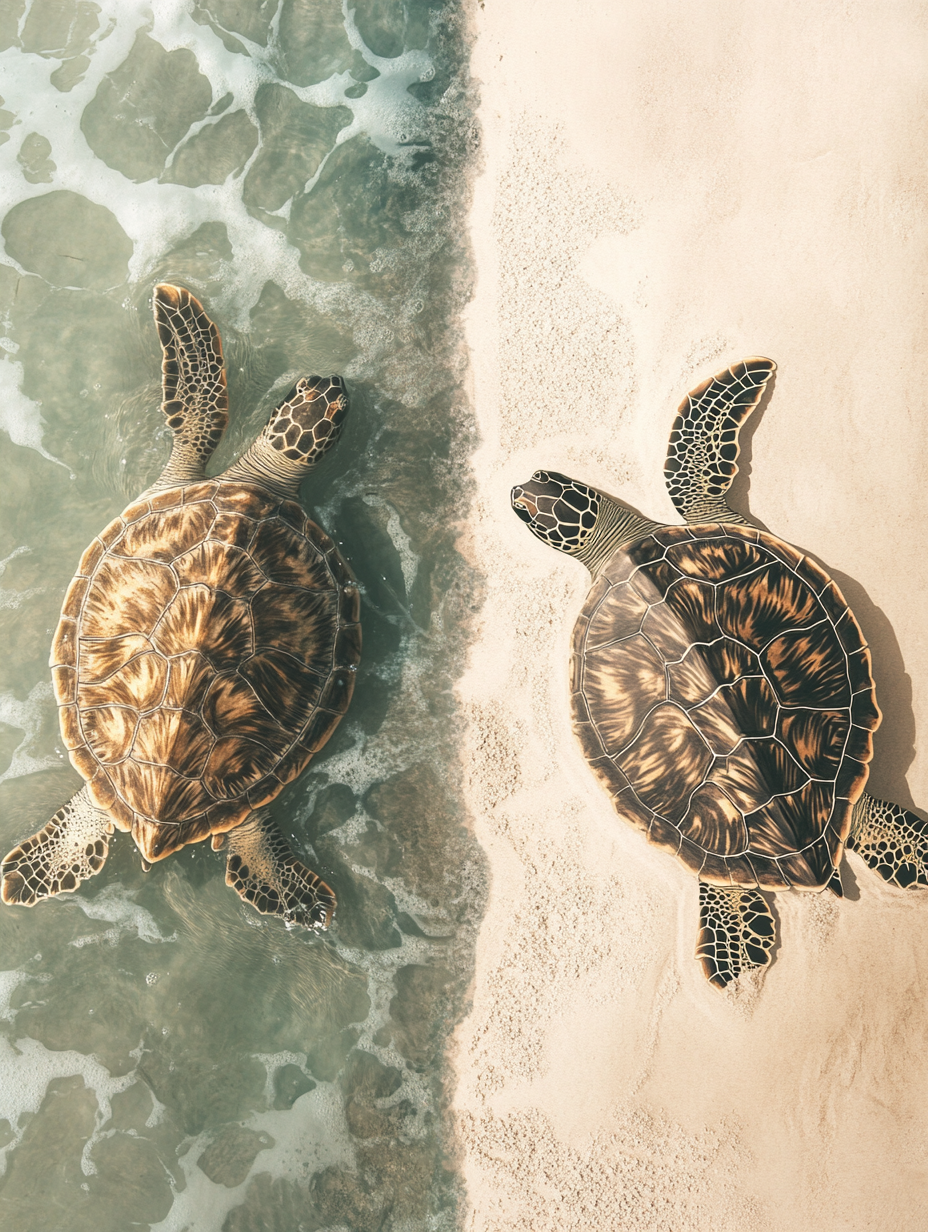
721 688
207 646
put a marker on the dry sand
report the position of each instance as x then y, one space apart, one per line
668 187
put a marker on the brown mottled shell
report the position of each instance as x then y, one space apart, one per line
206 650
722 692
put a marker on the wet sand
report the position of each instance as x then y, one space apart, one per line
665 190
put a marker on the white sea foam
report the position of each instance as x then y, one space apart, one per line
155 215
409 560
20 417
27 1067
9 982
272 1062
308 1137
16 598
116 905
27 716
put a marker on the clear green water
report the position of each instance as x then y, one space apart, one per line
168 1059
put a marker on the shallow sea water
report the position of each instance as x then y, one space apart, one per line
169 1059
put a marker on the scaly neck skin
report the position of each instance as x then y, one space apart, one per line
183 467
177 474
268 468
614 526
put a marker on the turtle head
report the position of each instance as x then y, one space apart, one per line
302 428
562 512
309 420
577 519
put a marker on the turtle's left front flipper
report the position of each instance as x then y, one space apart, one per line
892 840
263 871
736 932
66 851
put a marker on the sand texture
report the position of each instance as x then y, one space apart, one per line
665 189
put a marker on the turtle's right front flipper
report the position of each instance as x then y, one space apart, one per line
736 932
702 457
70 848
263 871
893 841
193 384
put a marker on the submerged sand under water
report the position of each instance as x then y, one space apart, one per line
169 1059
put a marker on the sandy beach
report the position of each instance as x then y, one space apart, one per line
664 190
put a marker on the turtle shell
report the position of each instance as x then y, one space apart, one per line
722 692
206 650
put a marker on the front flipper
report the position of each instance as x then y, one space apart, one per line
193 384
70 848
736 932
263 871
892 840
702 457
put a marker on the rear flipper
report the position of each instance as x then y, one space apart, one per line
892 840
70 848
263 871
736 932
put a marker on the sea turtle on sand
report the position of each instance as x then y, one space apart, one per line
207 646
721 688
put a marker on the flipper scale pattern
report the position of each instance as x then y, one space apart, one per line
736 932
263 871
66 851
893 840
703 452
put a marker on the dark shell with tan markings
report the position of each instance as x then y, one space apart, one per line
722 692
206 650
